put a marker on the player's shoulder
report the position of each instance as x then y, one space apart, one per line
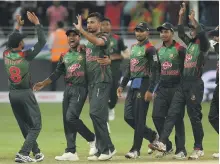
116 37
64 53
6 52
133 45
178 46
149 45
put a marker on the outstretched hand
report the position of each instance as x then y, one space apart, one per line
33 18
182 9
78 26
19 21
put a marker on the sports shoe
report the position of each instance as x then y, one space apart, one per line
93 150
23 159
93 158
105 157
67 157
215 155
108 126
180 155
150 151
156 139
111 114
132 155
39 157
196 154
159 146
163 154
114 152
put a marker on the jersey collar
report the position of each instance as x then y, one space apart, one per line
144 42
174 42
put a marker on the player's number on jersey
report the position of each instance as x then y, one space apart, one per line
15 74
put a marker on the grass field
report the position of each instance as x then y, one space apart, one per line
52 140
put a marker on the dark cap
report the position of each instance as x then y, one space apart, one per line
14 39
191 26
142 26
167 26
73 30
214 32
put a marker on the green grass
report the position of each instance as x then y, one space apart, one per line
52 139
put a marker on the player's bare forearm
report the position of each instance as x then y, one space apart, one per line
116 57
91 38
47 82
125 54
180 21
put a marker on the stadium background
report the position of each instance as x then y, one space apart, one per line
52 139
124 16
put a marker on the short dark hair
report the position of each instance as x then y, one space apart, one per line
106 19
97 15
60 24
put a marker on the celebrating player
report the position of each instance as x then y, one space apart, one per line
22 99
190 92
72 66
143 62
99 83
171 57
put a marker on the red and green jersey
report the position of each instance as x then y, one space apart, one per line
196 52
17 63
171 60
96 72
72 65
143 64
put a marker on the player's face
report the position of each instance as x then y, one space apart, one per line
73 39
93 24
166 35
106 26
141 35
193 32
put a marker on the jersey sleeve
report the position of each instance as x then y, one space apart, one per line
105 38
60 70
153 66
30 54
182 35
121 45
126 77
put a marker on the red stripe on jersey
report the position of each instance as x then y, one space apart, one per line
21 54
116 36
148 45
197 41
63 54
6 52
177 45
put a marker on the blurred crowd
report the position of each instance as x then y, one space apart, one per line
124 15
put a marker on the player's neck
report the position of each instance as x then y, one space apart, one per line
141 42
168 43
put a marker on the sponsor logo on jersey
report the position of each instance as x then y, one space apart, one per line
73 67
188 57
166 65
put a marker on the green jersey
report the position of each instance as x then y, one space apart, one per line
143 64
195 53
72 65
17 63
171 60
96 72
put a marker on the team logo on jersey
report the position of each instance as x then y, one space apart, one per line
166 65
134 62
191 49
188 57
73 67
171 56
66 60
80 58
88 51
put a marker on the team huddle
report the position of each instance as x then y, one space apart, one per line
169 76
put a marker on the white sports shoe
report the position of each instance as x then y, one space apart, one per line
150 151
23 159
67 157
93 158
111 114
196 154
215 155
159 146
39 157
132 155
105 157
179 155
93 150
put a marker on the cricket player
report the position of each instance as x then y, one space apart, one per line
72 65
214 108
99 83
190 91
171 57
22 99
143 62
118 52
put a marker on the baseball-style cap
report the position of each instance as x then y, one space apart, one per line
214 32
73 30
191 26
142 26
15 38
167 26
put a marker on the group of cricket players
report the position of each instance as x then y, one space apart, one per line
169 76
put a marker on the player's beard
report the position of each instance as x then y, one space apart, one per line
141 39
